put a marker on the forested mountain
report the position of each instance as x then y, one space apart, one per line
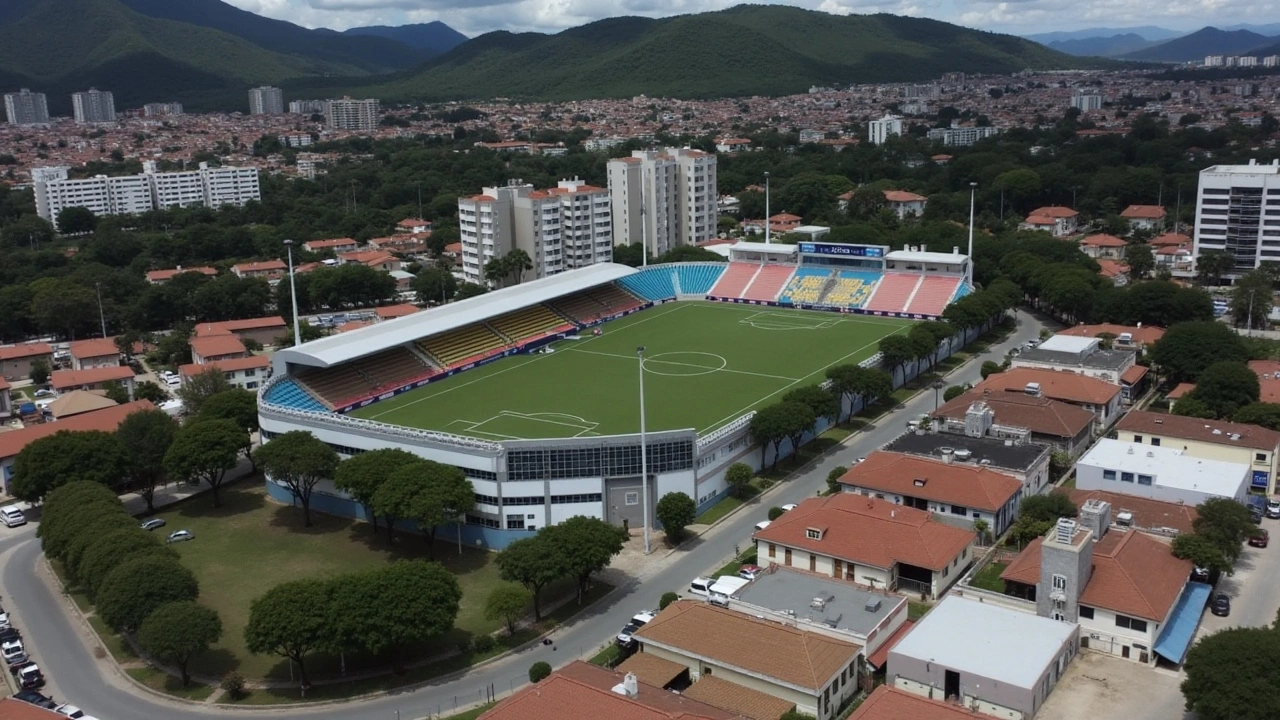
1209 41
1111 46
745 50
1146 32
435 37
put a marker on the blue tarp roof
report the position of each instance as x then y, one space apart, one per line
1176 638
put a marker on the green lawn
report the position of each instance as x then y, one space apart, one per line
250 545
989 577
705 364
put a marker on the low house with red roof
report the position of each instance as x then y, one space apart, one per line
1251 445
99 352
887 702
1126 590
247 372
1100 398
1268 379
1145 217
332 245
209 348
582 691
870 542
16 360
1018 416
1103 245
105 420
1056 220
905 204
784 223
268 269
732 145
753 667
1133 337
959 492
92 379
1155 517
160 277
376 259
414 226
263 330
391 312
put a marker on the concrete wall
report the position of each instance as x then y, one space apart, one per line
1216 451
1101 634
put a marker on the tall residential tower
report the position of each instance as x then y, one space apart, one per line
1238 212
26 108
663 198
266 100
94 106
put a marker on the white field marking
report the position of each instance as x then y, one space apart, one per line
535 357
841 317
672 362
787 387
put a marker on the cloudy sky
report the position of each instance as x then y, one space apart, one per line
475 17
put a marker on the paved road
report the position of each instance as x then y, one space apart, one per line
77 677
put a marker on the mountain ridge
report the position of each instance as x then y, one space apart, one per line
434 36
1206 41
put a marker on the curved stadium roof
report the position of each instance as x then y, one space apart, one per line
344 347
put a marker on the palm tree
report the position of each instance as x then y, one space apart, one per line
517 264
495 271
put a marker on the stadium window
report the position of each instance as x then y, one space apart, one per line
484 521
486 499
515 522
527 500
569 499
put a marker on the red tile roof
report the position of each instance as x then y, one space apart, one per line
1147 514
1111 268
212 346
881 655
580 691
394 311
1133 574
105 420
972 486
1054 211
1102 240
98 347
890 703
1041 415
92 376
1144 335
1217 432
788 654
869 532
1133 374
330 243
274 322
255 362
24 350
164 275
902 196
1268 379
741 701
1056 384
1180 389
14 709
1143 212
1169 239
262 266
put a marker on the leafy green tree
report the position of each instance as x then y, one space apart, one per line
147 434
769 427
178 631
508 604
147 390
76 221
587 546
67 456
1252 294
666 599
1229 674
676 512
833 479
68 506
775 513
534 563
738 478
299 461
822 403
238 405
1191 406
798 419
200 387
93 529
982 528
954 391
1226 386
112 548
1202 551
203 452
290 620
897 351
136 587
539 671
361 475
435 285
1226 523
854 382
469 290
1140 259
1260 413
1188 348
1212 265
397 605
446 495
40 372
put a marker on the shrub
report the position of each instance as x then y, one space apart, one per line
233 684
765 483
776 512
667 599
539 671
833 479
954 392
483 643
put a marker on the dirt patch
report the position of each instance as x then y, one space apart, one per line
1100 686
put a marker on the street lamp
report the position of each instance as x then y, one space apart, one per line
766 207
937 386
293 296
973 190
644 455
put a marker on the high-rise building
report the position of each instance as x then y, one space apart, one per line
162 109
1086 101
663 198
93 106
962 136
560 229
349 114
1238 212
878 131
266 100
26 108
307 107
130 194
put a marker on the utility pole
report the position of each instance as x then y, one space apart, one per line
766 207
644 455
973 190
293 297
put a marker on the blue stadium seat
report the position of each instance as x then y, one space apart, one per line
698 279
652 283
287 393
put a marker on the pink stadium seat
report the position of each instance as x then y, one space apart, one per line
893 293
769 283
734 280
934 294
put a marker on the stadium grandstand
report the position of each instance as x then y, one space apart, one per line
538 421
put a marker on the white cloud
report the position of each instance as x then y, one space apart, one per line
475 17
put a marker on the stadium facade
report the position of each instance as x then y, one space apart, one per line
522 485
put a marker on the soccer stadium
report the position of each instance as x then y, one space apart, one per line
534 390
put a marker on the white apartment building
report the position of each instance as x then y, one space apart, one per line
560 229
1238 212
132 194
1086 101
26 108
1213 61
878 131
266 100
962 136
94 106
663 198
349 114
162 109
307 107
1271 61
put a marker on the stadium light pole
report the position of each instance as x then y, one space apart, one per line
644 455
293 296
766 207
973 190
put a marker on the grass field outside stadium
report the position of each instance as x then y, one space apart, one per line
705 364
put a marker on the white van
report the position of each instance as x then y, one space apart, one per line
12 516
724 588
701 586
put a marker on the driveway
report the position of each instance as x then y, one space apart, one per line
1098 686
95 684
1254 600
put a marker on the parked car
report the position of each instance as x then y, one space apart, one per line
624 637
13 652
1221 605
789 507
72 711
1255 514
153 523
28 676
35 698
11 516
180 536
1273 509
4 620
46 393
1259 538
9 634
749 572
762 525
701 586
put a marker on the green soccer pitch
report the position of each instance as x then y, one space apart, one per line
705 364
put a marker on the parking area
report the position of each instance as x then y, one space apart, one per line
1102 686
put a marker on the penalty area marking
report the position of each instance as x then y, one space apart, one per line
785 321
514 422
